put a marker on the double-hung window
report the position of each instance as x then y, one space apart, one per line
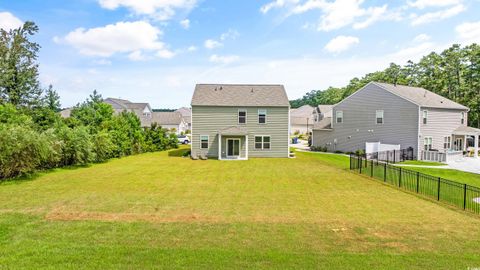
447 142
262 142
427 143
242 116
204 141
339 116
462 121
379 116
262 116
425 117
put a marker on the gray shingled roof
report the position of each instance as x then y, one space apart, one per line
421 96
295 120
167 118
240 95
326 123
304 111
324 108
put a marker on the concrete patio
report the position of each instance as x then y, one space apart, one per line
466 164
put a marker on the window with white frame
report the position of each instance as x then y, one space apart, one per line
425 117
427 143
262 116
462 121
447 142
204 141
379 116
262 142
339 116
242 116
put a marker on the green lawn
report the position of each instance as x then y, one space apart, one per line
421 163
161 211
472 179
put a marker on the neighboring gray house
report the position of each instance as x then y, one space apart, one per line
171 121
398 115
142 110
187 116
301 119
236 121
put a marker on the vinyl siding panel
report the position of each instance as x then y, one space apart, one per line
359 122
440 124
208 120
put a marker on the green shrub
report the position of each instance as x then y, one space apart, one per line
22 150
77 147
103 146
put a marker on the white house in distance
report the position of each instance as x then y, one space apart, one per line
172 121
398 115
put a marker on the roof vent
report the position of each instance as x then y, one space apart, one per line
215 89
251 90
425 94
221 87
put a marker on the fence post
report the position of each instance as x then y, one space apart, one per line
400 178
394 156
387 156
350 161
371 167
361 163
385 172
464 196
418 181
438 192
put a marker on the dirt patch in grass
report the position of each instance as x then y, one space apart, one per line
130 217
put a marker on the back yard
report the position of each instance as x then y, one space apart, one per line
158 210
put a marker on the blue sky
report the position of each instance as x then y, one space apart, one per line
157 50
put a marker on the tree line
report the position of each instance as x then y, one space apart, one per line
454 74
33 135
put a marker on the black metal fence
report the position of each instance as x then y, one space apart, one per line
451 192
393 156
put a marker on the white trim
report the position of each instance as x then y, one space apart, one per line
219 146
383 117
262 136
246 147
288 134
238 116
424 122
266 116
208 141
336 117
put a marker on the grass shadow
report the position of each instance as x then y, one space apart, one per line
35 175
181 152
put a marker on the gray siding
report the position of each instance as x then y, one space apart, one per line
208 120
440 124
359 122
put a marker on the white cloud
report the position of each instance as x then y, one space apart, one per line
122 37
276 4
185 23
341 13
231 34
8 21
166 54
192 48
437 15
224 59
341 43
421 38
469 32
159 9
102 62
212 44
421 4
137 56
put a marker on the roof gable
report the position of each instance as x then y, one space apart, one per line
240 95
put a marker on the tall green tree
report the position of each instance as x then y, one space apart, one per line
19 84
51 99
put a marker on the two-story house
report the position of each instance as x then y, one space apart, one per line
397 115
237 121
